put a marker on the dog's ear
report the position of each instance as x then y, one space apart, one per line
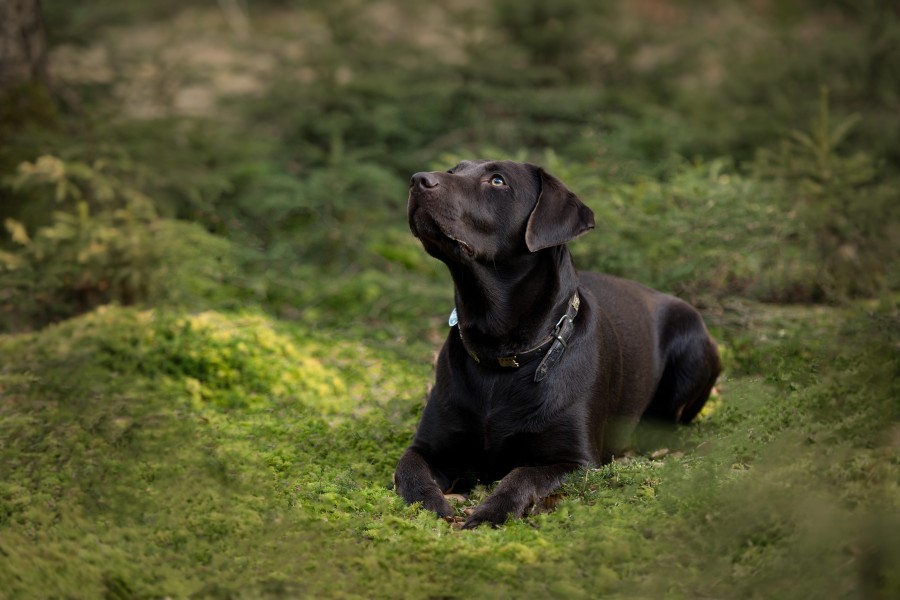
558 217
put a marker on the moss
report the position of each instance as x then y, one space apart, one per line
229 454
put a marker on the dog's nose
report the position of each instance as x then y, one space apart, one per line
424 181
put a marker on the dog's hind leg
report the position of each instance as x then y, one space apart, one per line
691 368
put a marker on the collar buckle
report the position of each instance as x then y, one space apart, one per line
508 362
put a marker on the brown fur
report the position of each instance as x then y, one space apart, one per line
501 228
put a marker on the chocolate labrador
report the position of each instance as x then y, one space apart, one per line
546 369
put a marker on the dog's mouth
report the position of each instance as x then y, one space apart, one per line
465 246
438 233
427 228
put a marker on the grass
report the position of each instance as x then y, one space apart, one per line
229 455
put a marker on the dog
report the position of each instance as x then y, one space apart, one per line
545 369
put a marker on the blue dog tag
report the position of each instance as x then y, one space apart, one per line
453 318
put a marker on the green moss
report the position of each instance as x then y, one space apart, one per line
217 454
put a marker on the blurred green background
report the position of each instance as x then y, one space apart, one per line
211 154
219 189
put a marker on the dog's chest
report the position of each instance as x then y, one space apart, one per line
509 415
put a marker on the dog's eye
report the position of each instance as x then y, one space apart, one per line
497 181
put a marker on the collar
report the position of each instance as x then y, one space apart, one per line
551 347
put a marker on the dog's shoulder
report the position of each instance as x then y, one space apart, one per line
625 304
609 289
630 306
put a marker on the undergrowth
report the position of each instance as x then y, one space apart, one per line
150 454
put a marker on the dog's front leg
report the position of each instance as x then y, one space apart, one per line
415 481
517 492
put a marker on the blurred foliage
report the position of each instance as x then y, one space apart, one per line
102 243
850 218
685 144
21 108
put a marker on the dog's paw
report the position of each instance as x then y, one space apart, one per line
438 505
485 514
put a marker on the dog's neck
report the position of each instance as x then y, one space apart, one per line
503 310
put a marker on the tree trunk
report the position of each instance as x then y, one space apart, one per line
23 44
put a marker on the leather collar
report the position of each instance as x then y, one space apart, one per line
551 348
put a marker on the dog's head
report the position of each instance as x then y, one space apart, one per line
493 211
